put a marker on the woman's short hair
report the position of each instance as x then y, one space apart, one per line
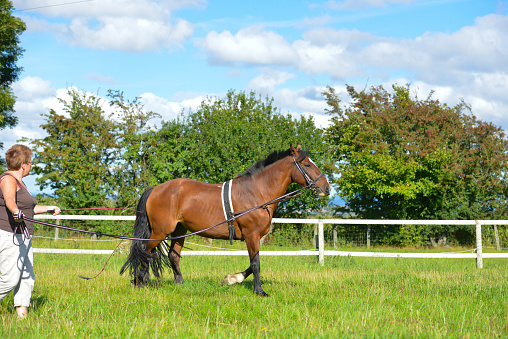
17 155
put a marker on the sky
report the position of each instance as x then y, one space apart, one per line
173 54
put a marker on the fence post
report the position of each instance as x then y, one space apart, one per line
321 237
368 236
334 236
496 236
316 236
479 258
58 222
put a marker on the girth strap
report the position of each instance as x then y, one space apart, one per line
227 207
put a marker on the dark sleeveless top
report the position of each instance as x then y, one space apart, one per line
26 203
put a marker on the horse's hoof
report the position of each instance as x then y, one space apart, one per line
261 293
225 281
232 279
137 284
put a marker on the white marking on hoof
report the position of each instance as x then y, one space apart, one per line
232 279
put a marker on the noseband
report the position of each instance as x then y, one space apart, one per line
308 179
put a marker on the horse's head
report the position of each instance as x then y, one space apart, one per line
307 173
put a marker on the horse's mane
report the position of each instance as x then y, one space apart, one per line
270 159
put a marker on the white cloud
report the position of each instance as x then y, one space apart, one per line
441 56
344 53
308 101
128 34
469 63
269 79
112 8
169 110
30 88
133 26
321 51
248 46
484 96
31 93
36 97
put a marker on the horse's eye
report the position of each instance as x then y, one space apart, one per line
307 165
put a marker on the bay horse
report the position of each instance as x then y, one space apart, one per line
182 205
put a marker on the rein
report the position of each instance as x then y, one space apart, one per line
282 198
311 184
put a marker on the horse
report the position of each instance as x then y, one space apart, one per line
181 205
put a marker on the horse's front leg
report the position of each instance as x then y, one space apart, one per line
256 268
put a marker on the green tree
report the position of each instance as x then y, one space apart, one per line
225 136
399 157
77 157
94 159
91 158
131 172
10 51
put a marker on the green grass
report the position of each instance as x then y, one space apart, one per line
348 297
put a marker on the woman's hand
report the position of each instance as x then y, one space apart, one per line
55 209
18 216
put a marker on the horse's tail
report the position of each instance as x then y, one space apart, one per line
138 261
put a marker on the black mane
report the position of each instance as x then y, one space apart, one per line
270 159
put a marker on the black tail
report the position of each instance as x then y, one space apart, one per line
139 258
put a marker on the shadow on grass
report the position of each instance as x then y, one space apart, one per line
205 285
38 302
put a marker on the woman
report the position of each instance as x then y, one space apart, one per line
16 255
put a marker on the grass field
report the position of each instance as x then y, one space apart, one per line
348 297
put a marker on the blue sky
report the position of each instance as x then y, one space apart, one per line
172 54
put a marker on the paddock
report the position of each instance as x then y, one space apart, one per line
355 293
347 297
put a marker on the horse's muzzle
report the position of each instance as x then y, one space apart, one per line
325 192
322 192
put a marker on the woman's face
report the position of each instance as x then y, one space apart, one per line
26 167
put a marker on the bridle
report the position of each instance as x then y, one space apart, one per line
309 182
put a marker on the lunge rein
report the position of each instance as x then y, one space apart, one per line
311 184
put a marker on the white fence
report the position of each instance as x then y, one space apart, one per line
479 255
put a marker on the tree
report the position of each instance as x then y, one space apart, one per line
399 157
10 51
225 136
131 171
77 157
91 158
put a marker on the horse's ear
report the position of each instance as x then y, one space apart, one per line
293 150
299 147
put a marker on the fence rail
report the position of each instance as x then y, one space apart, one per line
479 255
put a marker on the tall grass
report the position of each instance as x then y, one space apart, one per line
348 297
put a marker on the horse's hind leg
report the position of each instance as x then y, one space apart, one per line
174 252
237 278
254 268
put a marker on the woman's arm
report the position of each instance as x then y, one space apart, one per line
9 186
38 209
